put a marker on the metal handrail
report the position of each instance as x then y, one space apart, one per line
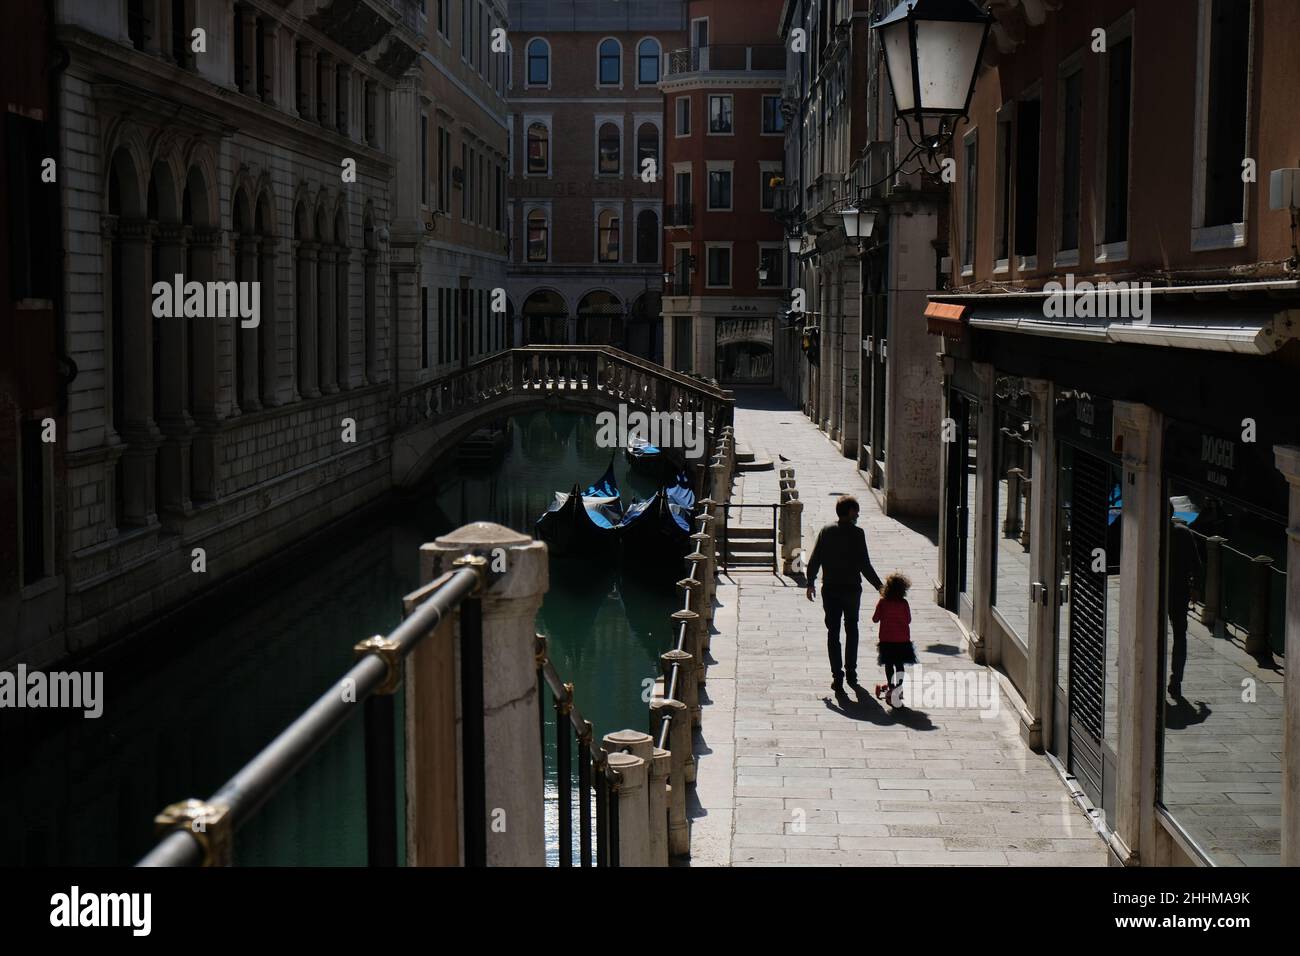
726 527
607 779
201 831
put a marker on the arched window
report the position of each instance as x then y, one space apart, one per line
647 236
539 149
611 62
539 63
538 236
647 147
647 62
607 249
609 149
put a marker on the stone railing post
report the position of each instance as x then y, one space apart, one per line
1213 595
687 693
791 529
660 768
632 793
513 777
679 758
1257 628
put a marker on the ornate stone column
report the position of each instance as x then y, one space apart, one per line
269 331
343 318
174 419
327 362
139 431
371 318
250 399
204 394
305 289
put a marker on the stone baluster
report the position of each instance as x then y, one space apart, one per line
687 690
513 775
637 842
679 756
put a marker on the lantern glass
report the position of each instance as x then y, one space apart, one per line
898 61
851 222
795 244
762 274
932 50
947 54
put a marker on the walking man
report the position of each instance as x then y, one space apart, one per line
841 551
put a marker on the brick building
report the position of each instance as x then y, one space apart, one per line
586 121
723 167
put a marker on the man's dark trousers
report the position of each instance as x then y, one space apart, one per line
843 604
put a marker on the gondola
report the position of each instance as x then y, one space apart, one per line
645 457
573 527
655 534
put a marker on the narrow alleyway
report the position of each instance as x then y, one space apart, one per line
788 774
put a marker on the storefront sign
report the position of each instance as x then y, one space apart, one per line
1085 419
1242 469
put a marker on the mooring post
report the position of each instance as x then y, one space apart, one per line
517 568
679 754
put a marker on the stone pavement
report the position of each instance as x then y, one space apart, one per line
788 775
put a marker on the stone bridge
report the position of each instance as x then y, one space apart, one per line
433 416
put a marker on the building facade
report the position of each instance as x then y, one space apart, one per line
873 383
448 247
219 143
1120 480
34 367
586 135
725 278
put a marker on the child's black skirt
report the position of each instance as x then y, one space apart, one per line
895 653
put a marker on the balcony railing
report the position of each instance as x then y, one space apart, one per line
725 58
681 214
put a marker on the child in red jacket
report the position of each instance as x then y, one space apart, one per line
894 617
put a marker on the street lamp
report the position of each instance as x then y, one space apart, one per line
858 223
795 243
762 272
932 50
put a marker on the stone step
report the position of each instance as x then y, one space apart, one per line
744 453
761 464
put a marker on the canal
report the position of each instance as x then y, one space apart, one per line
189 704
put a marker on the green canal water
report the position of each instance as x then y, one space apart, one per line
188 707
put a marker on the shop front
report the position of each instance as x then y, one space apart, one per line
1223 645
1089 512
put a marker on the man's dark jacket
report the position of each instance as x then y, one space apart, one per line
841 549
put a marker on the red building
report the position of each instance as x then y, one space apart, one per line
32 402
723 249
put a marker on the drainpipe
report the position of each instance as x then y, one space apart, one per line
60 58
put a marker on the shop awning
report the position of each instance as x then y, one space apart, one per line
946 319
1254 318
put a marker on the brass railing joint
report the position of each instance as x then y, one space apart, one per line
389 651
208 823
